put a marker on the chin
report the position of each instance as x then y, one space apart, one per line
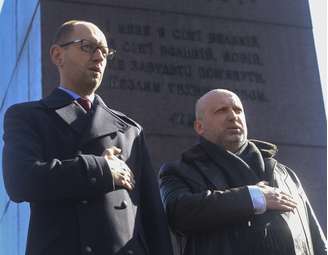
95 82
237 139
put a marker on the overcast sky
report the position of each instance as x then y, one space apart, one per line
318 10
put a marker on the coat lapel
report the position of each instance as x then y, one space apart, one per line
214 177
204 168
67 109
99 122
74 116
102 122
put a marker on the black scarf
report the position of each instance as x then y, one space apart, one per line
266 233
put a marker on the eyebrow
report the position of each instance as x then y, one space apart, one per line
96 42
226 107
218 108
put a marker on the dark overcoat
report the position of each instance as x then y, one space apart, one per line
205 210
52 159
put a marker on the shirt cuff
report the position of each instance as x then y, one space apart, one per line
258 199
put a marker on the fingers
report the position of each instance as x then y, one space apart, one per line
285 200
125 170
125 180
110 152
262 183
121 173
277 199
127 175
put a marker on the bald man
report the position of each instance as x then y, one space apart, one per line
83 167
227 195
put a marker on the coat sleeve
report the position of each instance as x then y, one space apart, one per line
189 211
153 217
29 177
318 238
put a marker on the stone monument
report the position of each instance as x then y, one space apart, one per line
171 52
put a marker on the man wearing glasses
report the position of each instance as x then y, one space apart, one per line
83 167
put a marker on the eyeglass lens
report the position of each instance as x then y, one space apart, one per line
92 47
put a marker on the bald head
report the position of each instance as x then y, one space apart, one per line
65 31
209 97
220 119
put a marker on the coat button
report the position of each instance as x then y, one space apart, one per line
84 202
93 180
88 249
130 252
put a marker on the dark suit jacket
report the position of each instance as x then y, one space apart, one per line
52 159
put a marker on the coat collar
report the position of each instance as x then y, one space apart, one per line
99 122
208 157
57 99
268 150
204 168
103 121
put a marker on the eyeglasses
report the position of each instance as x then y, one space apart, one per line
90 47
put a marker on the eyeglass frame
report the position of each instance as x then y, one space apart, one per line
109 55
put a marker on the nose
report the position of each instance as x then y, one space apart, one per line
232 115
98 55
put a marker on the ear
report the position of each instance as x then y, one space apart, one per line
56 54
198 126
